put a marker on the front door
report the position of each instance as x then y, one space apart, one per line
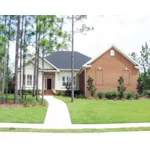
49 84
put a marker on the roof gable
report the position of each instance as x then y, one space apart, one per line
115 48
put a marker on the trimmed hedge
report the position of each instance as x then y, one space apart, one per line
130 95
100 95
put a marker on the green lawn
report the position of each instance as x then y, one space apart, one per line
84 111
23 115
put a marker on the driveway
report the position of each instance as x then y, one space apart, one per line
75 141
57 115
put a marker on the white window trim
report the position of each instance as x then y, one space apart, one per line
112 52
45 82
29 80
67 78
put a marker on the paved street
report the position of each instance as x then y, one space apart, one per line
75 141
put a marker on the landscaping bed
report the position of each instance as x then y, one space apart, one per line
85 111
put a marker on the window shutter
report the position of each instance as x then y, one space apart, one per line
126 76
99 77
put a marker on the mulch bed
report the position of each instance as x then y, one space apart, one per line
10 104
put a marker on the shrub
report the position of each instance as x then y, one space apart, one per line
59 93
28 101
147 93
140 85
137 96
121 88
100 95
108 95
81 96
130 95
93 91
91 88
114 94
30 92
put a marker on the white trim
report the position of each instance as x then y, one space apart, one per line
65 89
83 67
137 67
69 69
120 51
45 61
50 63
50 70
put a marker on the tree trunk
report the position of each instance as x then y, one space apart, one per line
21 58
16 62
3 85
24 60
72 62
8 60
37 79
35 66
43 76
4 60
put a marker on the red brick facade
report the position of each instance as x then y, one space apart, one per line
107 69
81 82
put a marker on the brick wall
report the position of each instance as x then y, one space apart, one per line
112 67
81 82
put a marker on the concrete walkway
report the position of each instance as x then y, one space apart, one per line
57 117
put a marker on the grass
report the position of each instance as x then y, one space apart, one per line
73 130
84 111
23 115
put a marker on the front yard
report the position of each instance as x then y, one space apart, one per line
84 111
17 113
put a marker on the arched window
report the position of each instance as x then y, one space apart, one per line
112 53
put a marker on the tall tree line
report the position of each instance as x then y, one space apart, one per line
44 33
144 61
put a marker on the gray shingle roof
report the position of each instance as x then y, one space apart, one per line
62 59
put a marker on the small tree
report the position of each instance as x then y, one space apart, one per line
91 88
140 85
121 88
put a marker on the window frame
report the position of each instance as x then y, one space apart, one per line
29 80
63 80
112 53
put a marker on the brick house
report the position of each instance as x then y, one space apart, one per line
106 69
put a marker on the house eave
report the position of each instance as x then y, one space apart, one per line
137 67
83 67
50 70
69 69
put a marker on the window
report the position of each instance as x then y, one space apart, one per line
63 81
67 79
29 80
112 53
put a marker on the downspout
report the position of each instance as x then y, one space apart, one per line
85 82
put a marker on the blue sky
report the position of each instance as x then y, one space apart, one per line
127 32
